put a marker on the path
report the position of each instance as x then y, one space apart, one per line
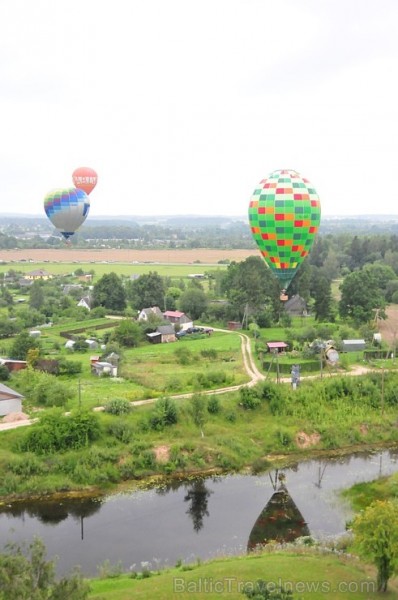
250 367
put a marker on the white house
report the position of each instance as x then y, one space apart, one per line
10 401
145 313
85 302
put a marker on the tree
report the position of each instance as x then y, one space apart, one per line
193 302
360 296
21 346
250 284
199 413
148 290
321 291
26 575
36 295
109 292
128 333
376 538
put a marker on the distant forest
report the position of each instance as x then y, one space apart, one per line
187 231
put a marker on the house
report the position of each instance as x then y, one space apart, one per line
178 318
100 368
145 313
38 274
296 306
13 365
10 401
162 335
85 302
69 344
277 347
353 345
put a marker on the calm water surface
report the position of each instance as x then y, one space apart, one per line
189 520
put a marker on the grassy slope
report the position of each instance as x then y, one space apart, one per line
311 575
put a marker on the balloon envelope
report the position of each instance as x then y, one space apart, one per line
284 216
67 209
85 179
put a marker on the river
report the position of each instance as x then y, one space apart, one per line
190 520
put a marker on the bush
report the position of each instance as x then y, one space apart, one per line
69 367
118 406
58 433
121 430
165 414
249 398
213 405
4 373
183 355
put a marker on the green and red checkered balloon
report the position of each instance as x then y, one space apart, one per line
284 216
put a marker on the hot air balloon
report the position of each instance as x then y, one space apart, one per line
67 209
85 179
284 216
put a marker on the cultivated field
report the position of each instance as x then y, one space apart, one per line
203 255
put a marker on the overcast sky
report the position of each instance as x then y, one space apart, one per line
182 106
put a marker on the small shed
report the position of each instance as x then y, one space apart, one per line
69 345
10 401
13 365
92 344
353 345
103 368
234 325
35 333
154 337
277 347
162 335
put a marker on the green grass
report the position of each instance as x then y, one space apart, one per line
65 268
310 575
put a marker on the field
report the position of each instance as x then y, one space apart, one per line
203 256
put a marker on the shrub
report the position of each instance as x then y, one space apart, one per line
183 355
58 433
121 430
213 405
249 398
210 353
118 406
69 367
4 373
165 414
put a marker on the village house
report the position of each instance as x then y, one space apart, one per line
85 302
296 306
38 274
146 313
178 318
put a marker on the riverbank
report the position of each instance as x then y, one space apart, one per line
310 573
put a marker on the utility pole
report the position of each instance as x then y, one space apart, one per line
382 391
79 389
